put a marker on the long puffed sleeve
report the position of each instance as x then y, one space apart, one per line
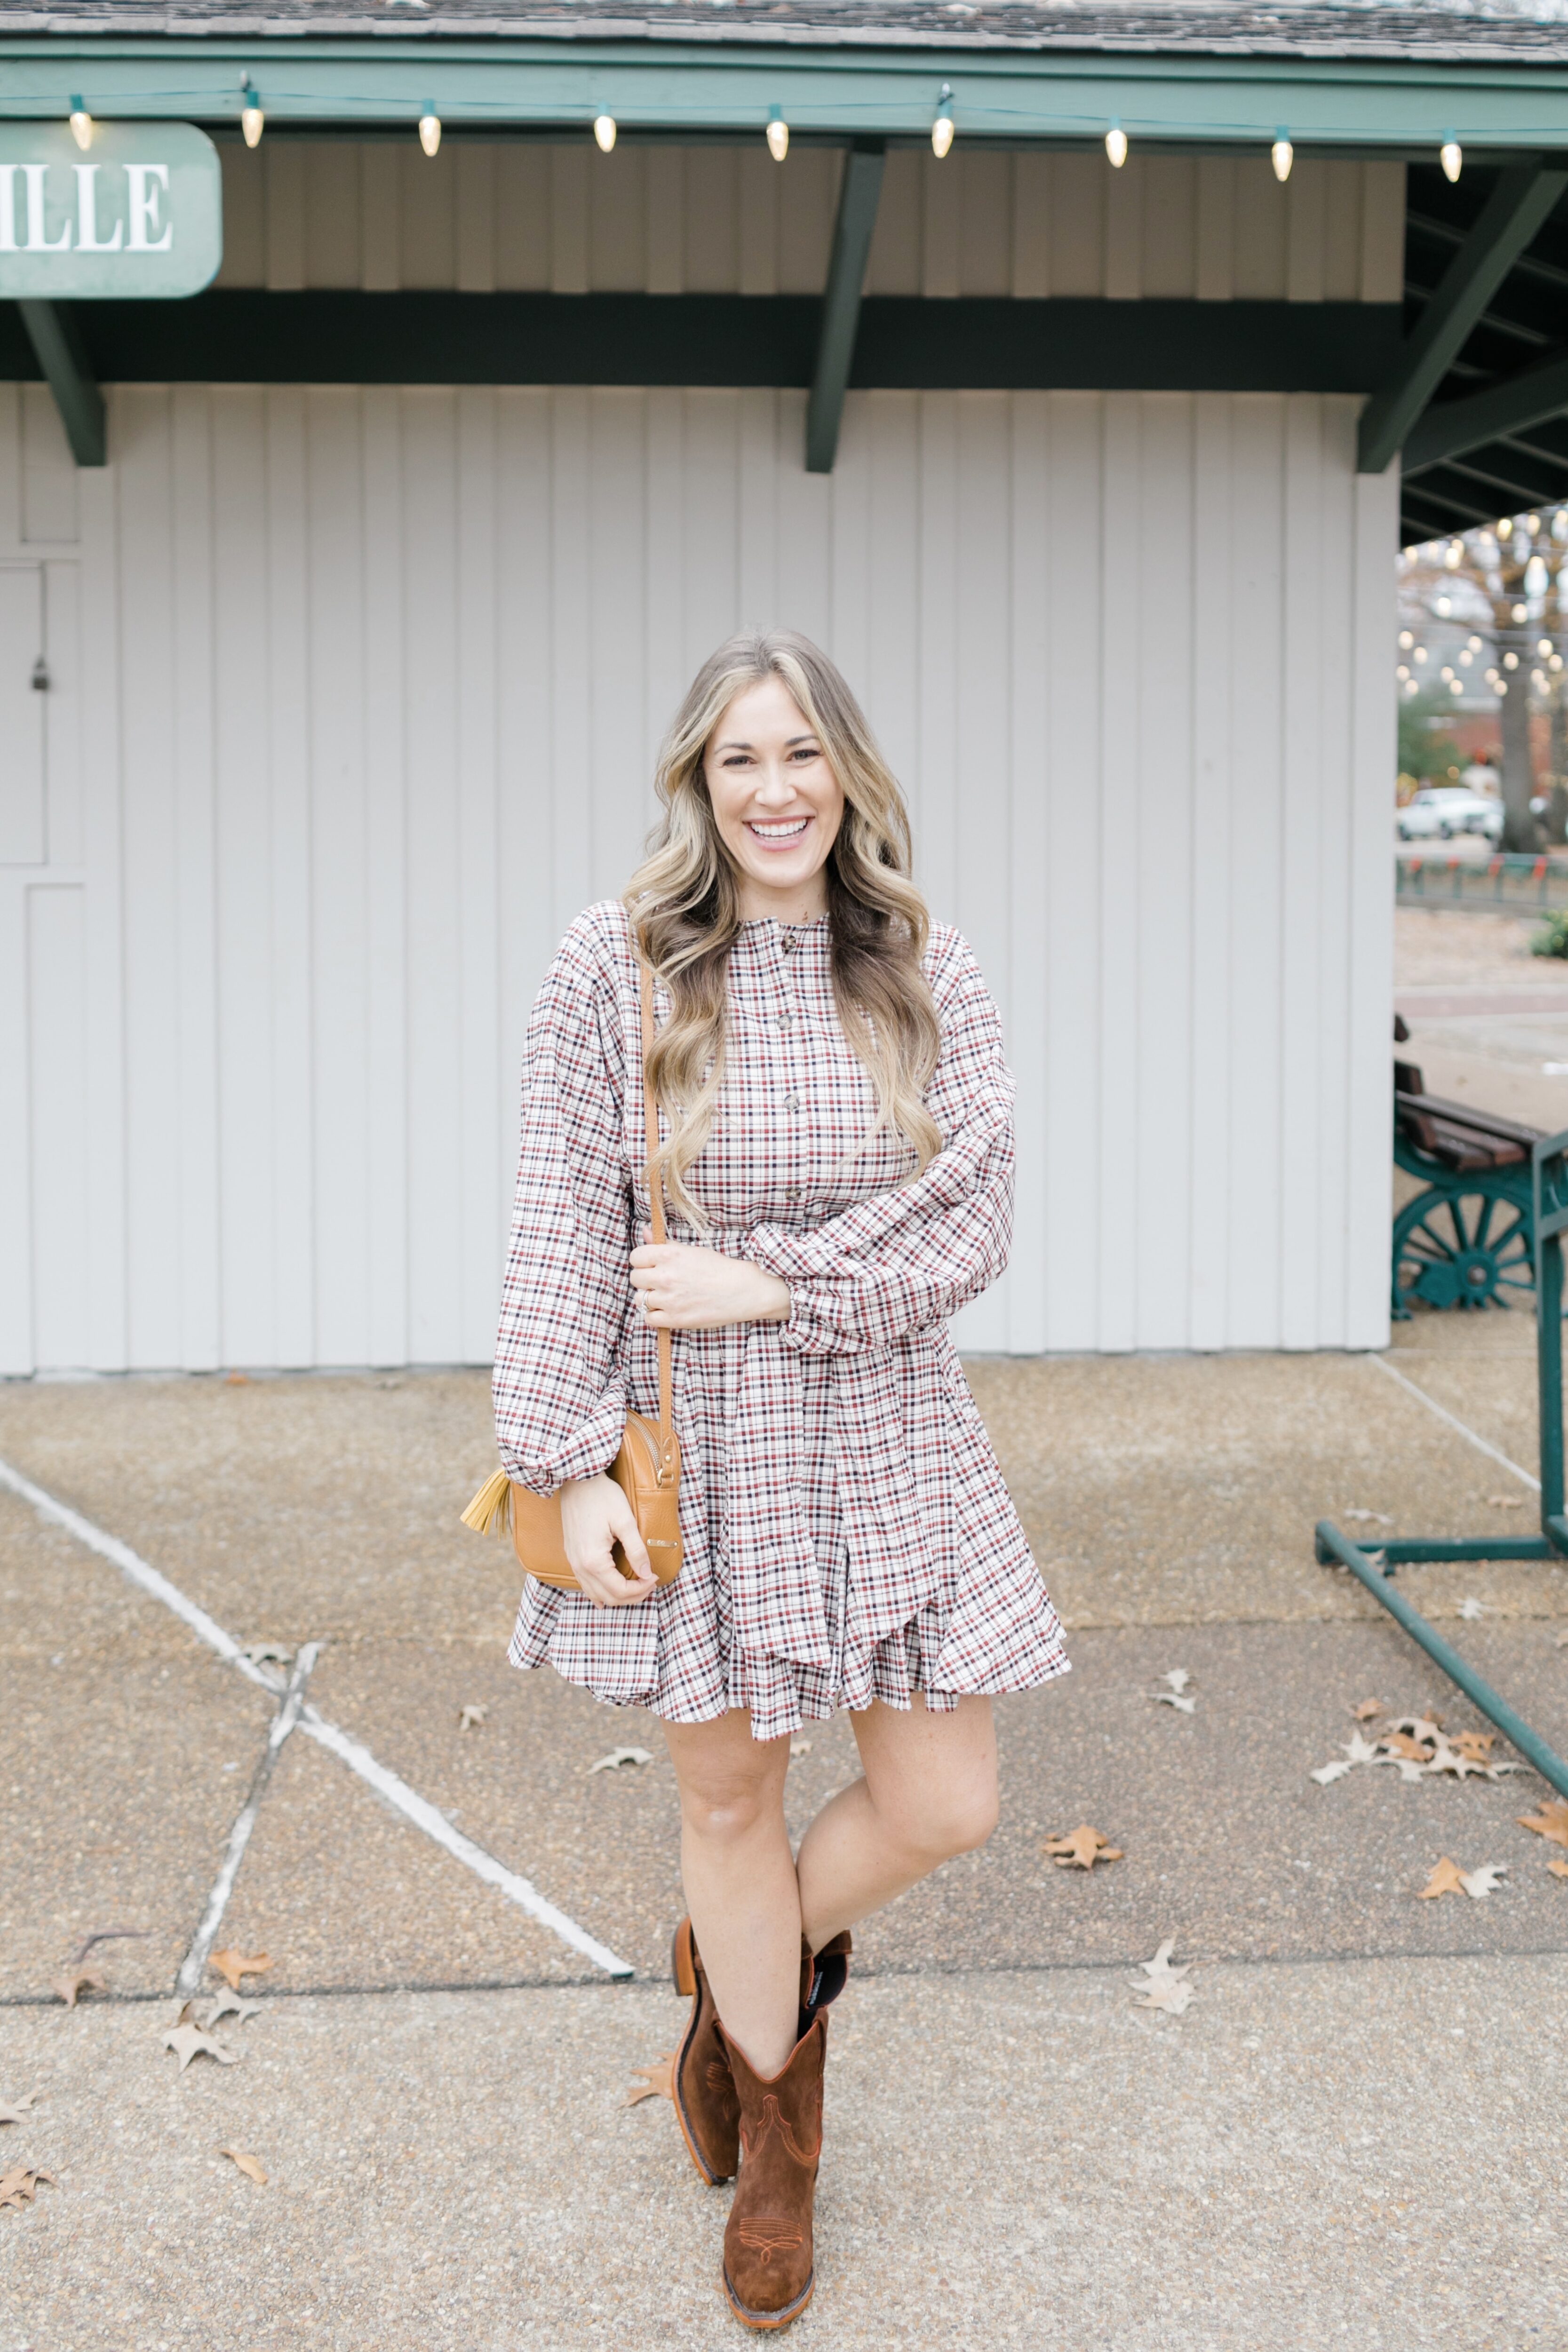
560 1395
910 1258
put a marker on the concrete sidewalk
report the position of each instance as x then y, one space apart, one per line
1361 2153
1353 2134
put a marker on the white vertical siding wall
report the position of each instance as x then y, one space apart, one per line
357 693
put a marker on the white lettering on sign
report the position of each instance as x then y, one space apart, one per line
36 241
8 207
87 236
148 183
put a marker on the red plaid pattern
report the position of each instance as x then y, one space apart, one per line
847 1532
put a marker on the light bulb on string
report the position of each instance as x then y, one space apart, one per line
1519 612
778 134
604 133
1116 146
1454 555
1282 156
1451 156
942 128
81 124
430 130
252 121
1505 526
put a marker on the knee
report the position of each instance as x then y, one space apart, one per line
727 1813
951 1821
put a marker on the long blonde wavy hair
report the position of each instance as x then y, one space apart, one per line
684 902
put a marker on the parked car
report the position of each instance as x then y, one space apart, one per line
1445 810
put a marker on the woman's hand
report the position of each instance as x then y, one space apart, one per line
683 1288
595 1513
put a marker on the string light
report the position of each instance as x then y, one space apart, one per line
430 130
1452 158
1282 156
1116 146
1520 611
251 119
605 133
1453 555
1505 526
778 134
1543 647
1510 661
942 128
81 124
1405 640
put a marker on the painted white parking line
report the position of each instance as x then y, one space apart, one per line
193 1966
359 1759
1480 1443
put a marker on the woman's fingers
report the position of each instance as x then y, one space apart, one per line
623 1526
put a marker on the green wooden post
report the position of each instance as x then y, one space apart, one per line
1550 1180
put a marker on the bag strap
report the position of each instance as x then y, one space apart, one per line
655 1192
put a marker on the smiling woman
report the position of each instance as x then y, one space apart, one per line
835 1144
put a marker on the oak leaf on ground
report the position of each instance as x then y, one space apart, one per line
249 2165
1447 1878
1366 1709
1557 1869
799 1747
1549 1821
1164 1987
232 1963
14 2110
1471 1607
658 2080
75 1982
470 1718
262 1654
619 1756
227 2004
1381 1517
1085 1847
187 2041
17 2187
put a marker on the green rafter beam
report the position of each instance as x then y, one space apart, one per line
52 331
1515 211
1509 407
858 199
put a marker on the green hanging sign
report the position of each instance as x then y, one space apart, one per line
137 211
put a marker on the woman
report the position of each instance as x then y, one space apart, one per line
837 1155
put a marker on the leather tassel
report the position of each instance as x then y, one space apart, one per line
490 1512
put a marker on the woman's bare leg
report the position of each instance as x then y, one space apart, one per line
740 1879
929 1792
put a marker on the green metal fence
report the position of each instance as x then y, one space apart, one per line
1504 879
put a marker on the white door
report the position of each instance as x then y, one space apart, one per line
22 713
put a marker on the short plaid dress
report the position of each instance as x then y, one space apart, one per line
845 1531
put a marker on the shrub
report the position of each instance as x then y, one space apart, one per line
1551 938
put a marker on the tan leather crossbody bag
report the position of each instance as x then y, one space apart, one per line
647 1467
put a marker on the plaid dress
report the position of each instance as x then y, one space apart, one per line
845 1531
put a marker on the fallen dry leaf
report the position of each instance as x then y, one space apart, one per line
1475 1745
1549 1820
658 2080
1164 1987
1175 1698
1177 1679
187 2041
1400 1743
249 2165
236 1379
1447 1878
1562 1642
1360 1750
75 1982
619 1756
227 2004
262 1654
232 1963
1557 1869
1084 1848
800 1747
18 2188
1506 1502
1380 1517
1471 1607
1327 1773
1367 1709
16 2111
471 1717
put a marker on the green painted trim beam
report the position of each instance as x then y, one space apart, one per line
1513 213
678 88
859 196
52 333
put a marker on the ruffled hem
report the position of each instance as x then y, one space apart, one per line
1019 1648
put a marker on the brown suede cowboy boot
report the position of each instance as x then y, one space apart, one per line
701 2084
769 2270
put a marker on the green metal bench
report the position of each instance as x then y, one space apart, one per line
1377 1569
1468 1238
